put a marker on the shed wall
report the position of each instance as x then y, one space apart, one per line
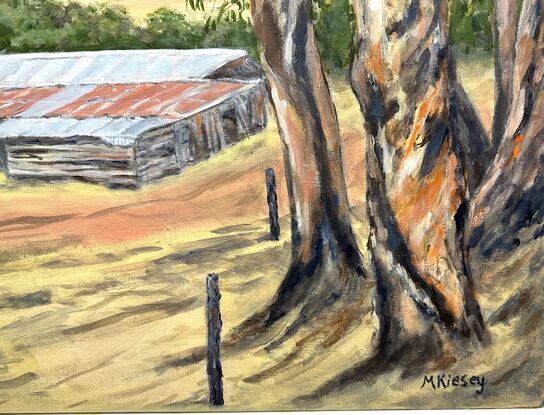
168 150
76 158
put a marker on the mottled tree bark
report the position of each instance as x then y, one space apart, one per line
504 36
326 264
509 207
426 152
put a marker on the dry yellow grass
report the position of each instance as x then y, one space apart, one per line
122 307
100 325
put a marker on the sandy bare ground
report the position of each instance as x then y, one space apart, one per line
102 295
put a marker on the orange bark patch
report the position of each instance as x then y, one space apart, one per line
436 248
515 151
424 209
375 62
414 197
426 108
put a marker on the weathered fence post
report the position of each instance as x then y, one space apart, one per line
272 199
215 373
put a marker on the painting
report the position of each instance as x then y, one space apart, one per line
256 205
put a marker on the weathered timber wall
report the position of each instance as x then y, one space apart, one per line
156 155
168 150
77 158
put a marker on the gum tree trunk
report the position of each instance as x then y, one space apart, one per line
504 36
326 266
426 152
508 209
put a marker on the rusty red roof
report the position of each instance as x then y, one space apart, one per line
16 101
169 100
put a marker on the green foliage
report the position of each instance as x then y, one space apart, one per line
196 4
233 34
234 11
51 25
229 26
470 23
7 19
334 21
54 25
33 25
167 28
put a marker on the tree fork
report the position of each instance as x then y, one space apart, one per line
426 153
507 210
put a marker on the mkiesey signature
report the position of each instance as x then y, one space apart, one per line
445 381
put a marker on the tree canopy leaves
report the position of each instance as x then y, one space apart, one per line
53 25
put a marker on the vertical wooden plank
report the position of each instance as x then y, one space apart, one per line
258 108
252 109
218 122
242 116
3 157
186 145
182 144
210 132
214 370
200 150
272 199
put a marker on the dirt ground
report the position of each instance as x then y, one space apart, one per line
102 293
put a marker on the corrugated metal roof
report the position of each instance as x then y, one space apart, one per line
111 95
111 67
115 131
15 101
169 100
52 102
172 100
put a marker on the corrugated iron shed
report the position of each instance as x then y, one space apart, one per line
124 117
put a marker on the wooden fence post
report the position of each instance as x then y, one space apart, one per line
272 199
215 373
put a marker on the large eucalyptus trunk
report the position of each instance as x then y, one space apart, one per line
509 207
426 152
326 266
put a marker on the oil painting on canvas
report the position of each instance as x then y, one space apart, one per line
271 205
